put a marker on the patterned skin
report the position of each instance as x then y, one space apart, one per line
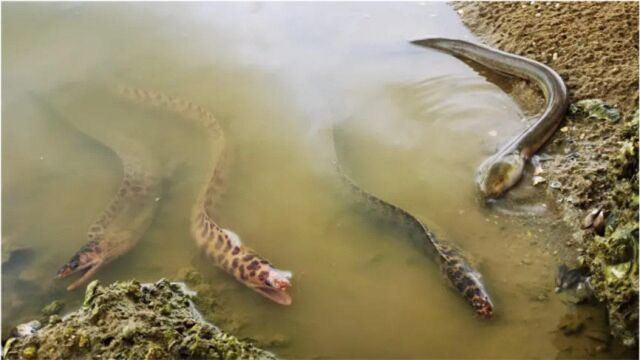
452 264
121 224
221 245
129 214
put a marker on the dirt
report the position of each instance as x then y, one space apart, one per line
593 159
127 320
593 46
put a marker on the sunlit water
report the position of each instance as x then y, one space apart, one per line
413 126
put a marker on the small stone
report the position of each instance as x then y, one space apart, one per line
599 223
554 57
564 129
493 133
555 184
538 180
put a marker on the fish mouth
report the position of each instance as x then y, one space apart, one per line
88 269
276 295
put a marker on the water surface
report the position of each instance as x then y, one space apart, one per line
414 125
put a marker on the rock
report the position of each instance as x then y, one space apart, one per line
595 109
587 222
53 308
130 320
538 180
598 223
27 328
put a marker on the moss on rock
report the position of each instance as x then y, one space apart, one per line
127 320
613 258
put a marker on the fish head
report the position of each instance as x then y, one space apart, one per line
86 261
500 174
273 284
482 305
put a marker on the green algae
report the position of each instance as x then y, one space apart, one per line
127 320
613 257
595 109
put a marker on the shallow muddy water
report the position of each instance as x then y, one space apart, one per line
413 125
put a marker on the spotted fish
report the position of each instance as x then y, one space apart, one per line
459 273
221 245
130 212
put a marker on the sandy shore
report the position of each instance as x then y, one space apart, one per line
593 163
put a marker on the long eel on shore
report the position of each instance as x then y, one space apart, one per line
455 268
129 213
221 245
503 170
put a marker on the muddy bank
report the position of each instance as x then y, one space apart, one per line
131 321
592 165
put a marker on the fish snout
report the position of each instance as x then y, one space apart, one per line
275 286
87 260
500 175
483 308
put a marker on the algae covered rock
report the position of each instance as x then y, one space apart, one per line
613 257
595 109
129 320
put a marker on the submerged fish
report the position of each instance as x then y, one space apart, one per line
455 268
131 211
221 245
504 169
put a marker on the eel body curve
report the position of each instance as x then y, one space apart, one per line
504 169
221 245
132 209
454 267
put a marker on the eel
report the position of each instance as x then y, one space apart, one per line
129 213
504 169
221 245
455 268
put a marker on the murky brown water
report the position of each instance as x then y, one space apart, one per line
414 125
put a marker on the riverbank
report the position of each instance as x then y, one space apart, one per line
593 162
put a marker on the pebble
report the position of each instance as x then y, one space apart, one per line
538 180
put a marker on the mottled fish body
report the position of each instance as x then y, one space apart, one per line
455 268
221 245
129 213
